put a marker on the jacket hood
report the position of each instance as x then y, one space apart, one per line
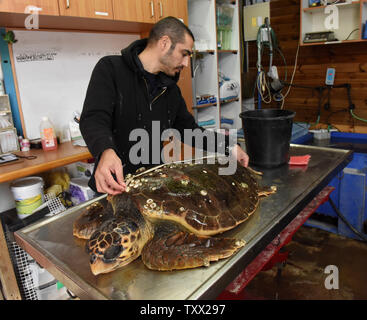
130 54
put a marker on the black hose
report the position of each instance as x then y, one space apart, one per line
359 234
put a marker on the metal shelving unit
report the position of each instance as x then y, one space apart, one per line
215 25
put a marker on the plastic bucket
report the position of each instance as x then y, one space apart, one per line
28 195
267 135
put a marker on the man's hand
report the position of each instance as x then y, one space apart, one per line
110 164
240 155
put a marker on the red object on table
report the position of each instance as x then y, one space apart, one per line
299 160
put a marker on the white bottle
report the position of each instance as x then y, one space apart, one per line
48 135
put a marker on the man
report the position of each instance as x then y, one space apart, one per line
131 91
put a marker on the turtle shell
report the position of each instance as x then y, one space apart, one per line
195 196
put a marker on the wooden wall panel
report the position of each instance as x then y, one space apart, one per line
349 60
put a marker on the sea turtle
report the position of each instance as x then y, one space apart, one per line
168 215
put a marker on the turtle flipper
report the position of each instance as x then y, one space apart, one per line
182 250
90 219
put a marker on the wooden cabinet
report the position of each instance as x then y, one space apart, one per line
175 8
134 10
101 9
47 7
149 11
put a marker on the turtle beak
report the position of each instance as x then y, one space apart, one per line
98 266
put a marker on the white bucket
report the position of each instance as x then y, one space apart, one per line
28 195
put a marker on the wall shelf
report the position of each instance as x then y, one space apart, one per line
203 22
352 17
314 9
228 51
201 106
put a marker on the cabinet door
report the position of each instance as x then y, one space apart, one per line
134 10
174 8
86 8
50 7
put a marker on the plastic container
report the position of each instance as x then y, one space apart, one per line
25 145
28 195
267 136
80 191
322 134
48 135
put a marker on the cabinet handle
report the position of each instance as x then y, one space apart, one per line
152 8
161 9
67 4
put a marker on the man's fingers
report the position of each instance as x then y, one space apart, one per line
120 176
112 183
104 187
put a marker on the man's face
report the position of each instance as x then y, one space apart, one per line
174 60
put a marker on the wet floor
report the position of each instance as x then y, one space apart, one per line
304 276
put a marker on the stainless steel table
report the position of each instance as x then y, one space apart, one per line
51 243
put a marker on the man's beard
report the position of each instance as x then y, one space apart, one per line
170 69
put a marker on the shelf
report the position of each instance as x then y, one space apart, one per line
314 9
65 154
351 16
227 51
331 42
200 106
229 101
226 57
205 51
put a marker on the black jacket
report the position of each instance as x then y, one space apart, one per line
118 101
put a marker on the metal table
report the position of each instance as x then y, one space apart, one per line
51 243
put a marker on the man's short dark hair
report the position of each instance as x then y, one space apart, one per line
172 27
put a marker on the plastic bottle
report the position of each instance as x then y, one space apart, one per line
48 136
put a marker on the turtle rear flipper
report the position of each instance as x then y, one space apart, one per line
183 250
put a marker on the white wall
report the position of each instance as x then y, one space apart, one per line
6 197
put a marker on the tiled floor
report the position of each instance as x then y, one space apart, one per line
304 275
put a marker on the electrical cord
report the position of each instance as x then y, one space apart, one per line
356 117
351 33
292 78
341 216
262 87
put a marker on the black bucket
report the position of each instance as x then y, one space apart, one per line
268 134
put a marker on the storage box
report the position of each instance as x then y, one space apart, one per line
322 134
80 191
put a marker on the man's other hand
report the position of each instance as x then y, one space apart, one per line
110 164
240 155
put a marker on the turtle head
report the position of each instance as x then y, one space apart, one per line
115 244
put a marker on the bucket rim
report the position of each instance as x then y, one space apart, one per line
290 115
14 186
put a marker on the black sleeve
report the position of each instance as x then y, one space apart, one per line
185 120
97 116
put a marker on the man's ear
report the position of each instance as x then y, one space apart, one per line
164 43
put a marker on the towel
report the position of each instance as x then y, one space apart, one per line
299 160
206 123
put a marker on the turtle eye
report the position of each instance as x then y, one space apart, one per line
112 253
93 258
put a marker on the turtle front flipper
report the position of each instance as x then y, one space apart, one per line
90 219
173 249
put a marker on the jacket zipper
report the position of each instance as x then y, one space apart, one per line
163 91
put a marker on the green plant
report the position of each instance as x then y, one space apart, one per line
9 37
